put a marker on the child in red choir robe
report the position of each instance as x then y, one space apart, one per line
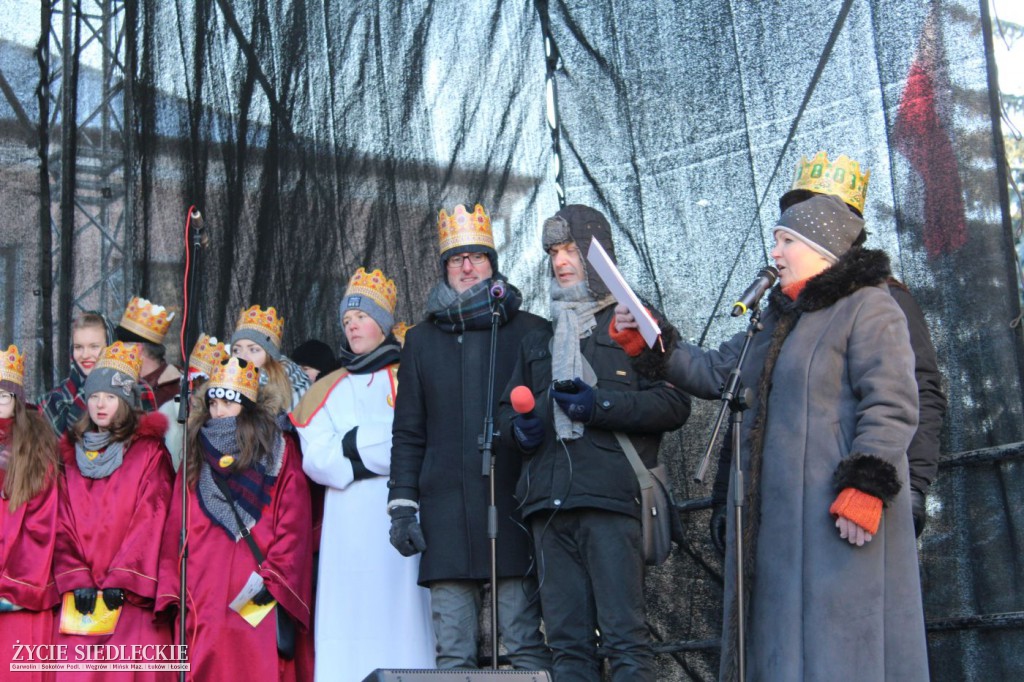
112 511
236 449
28 520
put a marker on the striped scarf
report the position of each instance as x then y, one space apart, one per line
250 488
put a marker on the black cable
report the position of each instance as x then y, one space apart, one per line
822 61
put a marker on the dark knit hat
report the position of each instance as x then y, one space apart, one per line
581 224
824 223
316 354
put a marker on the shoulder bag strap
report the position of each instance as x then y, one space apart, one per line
643 476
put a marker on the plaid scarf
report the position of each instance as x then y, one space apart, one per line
470 310
250 488
65 404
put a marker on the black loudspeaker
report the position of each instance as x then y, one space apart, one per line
389 675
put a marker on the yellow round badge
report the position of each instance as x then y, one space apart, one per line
92 454
226 461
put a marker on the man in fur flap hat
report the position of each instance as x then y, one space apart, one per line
578 491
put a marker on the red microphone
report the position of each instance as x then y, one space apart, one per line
523 401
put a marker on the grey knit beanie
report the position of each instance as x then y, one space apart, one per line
824 223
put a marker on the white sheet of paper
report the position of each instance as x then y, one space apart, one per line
612 279
251 588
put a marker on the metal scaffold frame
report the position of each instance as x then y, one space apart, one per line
87 52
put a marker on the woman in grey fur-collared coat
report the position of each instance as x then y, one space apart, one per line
831 565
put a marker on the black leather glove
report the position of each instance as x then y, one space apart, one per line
716 528
113 597
262 597
406 535
85 599
917 499
529 431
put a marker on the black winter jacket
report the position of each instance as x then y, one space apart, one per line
591 472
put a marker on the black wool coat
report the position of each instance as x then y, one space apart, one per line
435 457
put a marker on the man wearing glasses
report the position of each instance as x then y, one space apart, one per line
436 462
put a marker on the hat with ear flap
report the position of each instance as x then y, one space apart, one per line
581 224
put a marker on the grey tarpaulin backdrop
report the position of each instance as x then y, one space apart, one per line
318 136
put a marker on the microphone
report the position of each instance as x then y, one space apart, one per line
766 279
523 401
498 291
197 223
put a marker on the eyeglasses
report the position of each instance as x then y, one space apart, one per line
455 262
6 398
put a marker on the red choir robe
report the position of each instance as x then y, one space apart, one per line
27 537
108 536
221 645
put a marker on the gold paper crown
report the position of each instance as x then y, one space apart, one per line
126 358
149 321
12 366
376 287
231 374
265 322
399 330
462 228
207 354
841 178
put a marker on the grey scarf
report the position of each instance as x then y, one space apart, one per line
96 456
572 315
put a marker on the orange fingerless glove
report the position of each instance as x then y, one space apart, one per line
630 339
863 509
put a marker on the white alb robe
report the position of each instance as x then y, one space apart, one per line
370 612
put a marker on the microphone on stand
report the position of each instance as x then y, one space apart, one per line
498 290
197 223
766 279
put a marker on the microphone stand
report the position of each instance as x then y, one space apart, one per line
196 240
736 398
486 444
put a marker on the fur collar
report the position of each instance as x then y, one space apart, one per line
856 269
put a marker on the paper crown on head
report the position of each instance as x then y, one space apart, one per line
12 371
230 375
399 331
207 354
375 286
462 228
264 322
145 320
841 178
125 358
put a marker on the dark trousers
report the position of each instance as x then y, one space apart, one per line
591 571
